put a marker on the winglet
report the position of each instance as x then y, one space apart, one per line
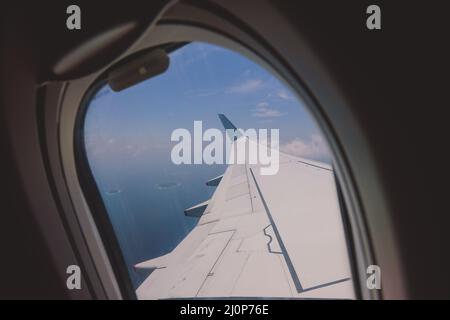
228 125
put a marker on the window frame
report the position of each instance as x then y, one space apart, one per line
357 237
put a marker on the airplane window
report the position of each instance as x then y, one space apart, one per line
218 183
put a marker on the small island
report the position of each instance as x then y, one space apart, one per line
168 185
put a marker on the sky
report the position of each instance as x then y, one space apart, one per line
202 81
128 141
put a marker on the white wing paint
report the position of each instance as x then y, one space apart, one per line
276 236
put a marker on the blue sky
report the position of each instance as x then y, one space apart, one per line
202 81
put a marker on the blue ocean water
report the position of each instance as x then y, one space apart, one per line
145 203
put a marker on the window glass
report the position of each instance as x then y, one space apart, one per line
272 234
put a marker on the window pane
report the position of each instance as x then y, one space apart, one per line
277 233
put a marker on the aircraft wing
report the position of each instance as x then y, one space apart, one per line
276 236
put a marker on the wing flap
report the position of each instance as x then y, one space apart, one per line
306 215
214 182
197 210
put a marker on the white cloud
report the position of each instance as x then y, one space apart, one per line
313 148
246 86
263 110
282 94
267 113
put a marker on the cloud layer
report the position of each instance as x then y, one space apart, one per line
246 86
263 110
314 148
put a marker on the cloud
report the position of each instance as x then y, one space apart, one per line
314 148
282 94
263 110
246 86
267 113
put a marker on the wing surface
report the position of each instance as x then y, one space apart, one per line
278 236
